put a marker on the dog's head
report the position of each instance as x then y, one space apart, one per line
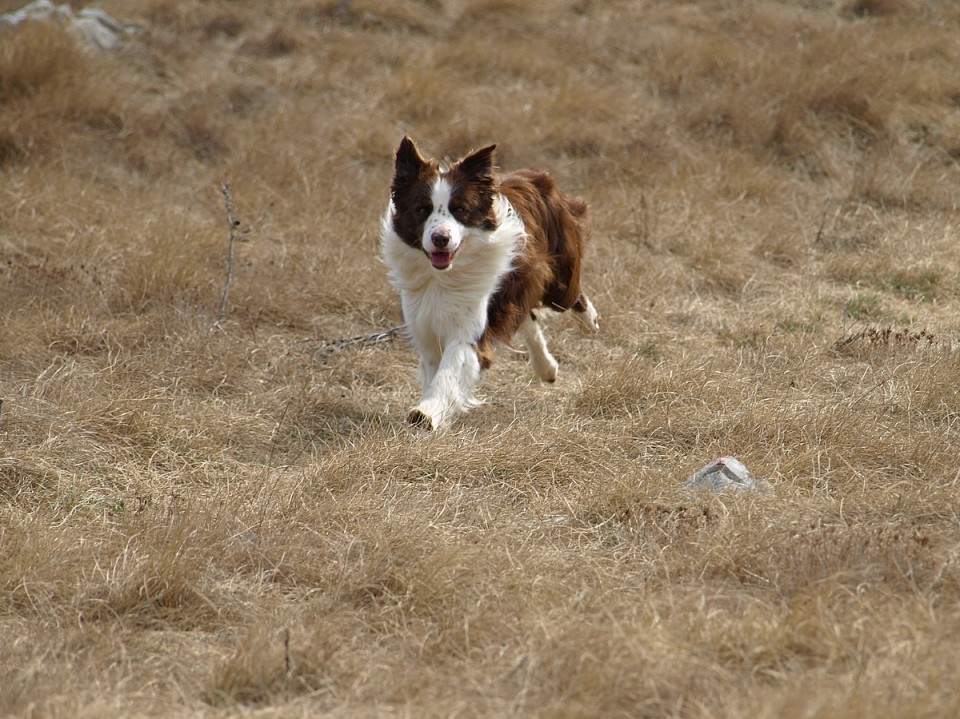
436 208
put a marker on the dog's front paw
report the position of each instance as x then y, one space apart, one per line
421 420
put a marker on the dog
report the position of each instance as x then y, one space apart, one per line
475 257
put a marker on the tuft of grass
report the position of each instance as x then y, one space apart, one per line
879 8
38 55
48 84
920 285
865 308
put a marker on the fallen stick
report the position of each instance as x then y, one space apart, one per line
372 338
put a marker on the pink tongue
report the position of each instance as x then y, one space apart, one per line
441 260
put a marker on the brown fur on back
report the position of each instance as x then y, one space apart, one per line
547 271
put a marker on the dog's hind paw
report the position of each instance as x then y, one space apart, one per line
419 419
586 314
546 368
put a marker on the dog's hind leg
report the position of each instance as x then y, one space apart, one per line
543 362
586 314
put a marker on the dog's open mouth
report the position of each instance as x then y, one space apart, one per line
441 260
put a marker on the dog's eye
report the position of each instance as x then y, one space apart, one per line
461 213
423 210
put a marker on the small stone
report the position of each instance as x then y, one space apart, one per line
93 27
726 474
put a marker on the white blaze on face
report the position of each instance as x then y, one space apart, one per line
442 234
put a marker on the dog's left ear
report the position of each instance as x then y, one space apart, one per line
478 164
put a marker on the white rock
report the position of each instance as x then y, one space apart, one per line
726 474
94 27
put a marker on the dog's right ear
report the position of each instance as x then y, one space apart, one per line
409 163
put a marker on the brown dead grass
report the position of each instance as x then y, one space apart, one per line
237 523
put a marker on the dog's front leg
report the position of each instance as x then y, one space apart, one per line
451 390
427 369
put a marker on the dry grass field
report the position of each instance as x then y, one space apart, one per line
207 521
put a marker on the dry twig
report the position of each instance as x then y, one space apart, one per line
234 238
372 338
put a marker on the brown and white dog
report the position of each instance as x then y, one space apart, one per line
475 256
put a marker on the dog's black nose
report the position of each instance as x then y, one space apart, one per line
440 238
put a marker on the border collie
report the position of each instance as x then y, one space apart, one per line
475 255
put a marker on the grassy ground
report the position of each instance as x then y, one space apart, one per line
236 522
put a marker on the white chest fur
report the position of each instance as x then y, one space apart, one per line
444 305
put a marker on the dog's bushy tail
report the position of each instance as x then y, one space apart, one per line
568 237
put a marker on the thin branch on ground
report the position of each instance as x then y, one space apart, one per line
372 338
